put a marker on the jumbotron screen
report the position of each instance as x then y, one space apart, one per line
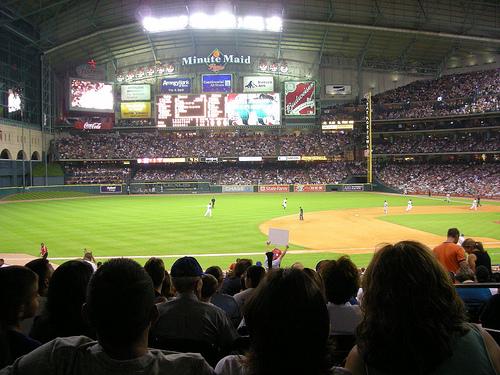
191 110
90 96
253 109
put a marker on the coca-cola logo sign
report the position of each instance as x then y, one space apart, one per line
92 125
89 124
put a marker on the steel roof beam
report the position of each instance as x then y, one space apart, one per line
434 34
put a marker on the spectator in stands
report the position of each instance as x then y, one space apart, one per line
341 279
449 254
490 316
234 283
89 258
186 317
208 288
413 320
224 301
166 289
44 271
65 297
19 299
288 324
253 276
473 298
120 306
156 270
476 255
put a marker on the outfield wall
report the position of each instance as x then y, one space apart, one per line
184 187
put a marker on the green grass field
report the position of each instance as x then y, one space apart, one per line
166 225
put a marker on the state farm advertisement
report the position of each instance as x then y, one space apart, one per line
300 98
309 188
273 189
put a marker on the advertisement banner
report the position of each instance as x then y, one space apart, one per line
353 188
273 189
338 90
135 110
216 82
288 158
250 158
135 92
253 109
237 188
300 98
175 86
111 189
94 124
314 158
309 188
258 84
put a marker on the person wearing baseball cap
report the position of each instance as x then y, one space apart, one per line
186 317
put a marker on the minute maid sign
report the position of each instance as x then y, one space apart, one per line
216 61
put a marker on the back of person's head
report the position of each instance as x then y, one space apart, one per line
465 274
209 286
216 272
87 255
166 288
341 279
479 246
156 270
287 318
44 270
241 266
186 275
65 297
412 312
18 293
453 233
297 265
254 274
320 265
120 302
482 274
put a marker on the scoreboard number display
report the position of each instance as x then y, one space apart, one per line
191 110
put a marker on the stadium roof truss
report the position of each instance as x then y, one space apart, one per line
402 35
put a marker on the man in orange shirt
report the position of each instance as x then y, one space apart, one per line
449 254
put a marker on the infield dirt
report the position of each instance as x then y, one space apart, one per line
359 230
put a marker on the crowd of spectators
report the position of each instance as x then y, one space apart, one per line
441 179
435 144
160 145
270 174
120 315
451 125
449 95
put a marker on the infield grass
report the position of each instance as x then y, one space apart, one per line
174 224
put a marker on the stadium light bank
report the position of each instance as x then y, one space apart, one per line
221 21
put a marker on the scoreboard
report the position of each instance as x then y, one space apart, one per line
192 110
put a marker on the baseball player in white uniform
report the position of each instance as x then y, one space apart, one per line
284 204
409 207
474 205
386 208
448 200
208 212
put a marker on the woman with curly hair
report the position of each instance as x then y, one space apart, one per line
414 322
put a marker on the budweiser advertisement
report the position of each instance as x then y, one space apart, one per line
273 188
94 124
300 98
309 188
